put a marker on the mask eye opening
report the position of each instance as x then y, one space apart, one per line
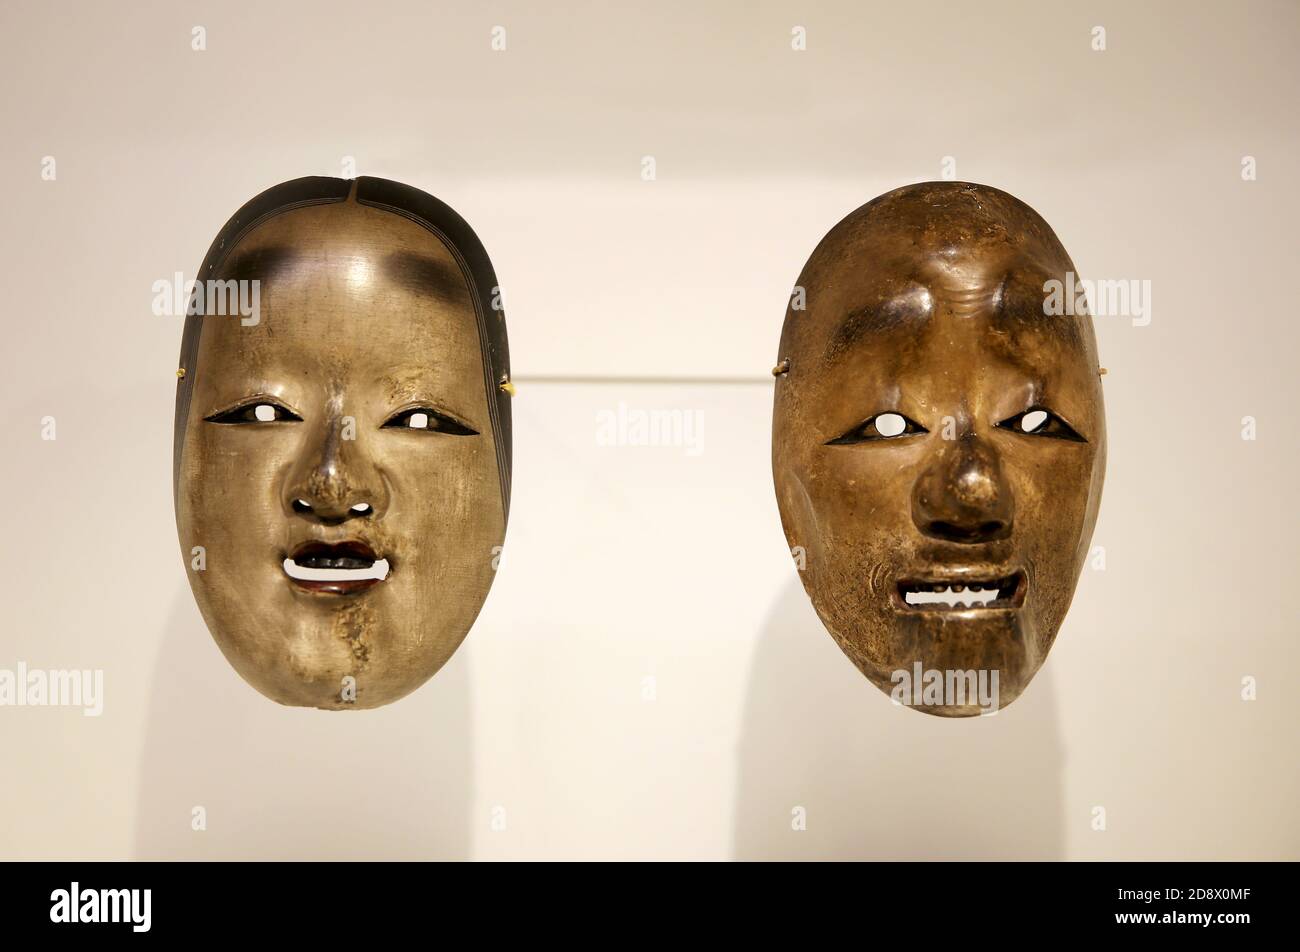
1040 421
883 426
427 419
254 411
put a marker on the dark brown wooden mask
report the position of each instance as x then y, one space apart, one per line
939 442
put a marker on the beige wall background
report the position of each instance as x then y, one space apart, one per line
628 563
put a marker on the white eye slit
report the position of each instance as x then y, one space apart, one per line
264 412
890 424
1032 421
418 421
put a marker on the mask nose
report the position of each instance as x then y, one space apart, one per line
333 480
963 495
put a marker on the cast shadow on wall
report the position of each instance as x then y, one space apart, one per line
278 782
878 781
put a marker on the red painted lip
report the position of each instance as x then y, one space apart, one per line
350 554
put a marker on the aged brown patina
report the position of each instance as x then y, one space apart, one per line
357 423
936 432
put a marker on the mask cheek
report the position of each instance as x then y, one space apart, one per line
231 514
802 530
842 572
1053 531
446 543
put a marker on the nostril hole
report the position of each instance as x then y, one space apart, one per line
362 509
301 505
989 528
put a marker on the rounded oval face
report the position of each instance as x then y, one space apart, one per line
338 492
939 443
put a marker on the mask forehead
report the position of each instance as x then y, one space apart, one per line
940 280
350 298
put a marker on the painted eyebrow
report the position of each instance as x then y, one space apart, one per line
263 264
418 272
426 275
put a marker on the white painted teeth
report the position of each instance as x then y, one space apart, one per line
973 596
378 570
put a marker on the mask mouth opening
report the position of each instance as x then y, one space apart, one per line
969 594
340 568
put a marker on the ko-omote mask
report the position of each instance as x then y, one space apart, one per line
342 456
